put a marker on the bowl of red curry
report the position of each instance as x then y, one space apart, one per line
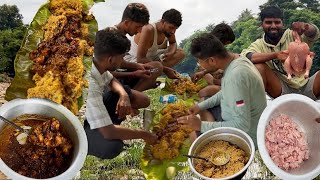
288 136
55 147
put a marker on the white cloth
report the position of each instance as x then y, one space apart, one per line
96 113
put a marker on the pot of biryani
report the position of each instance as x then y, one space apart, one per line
55 146
235 145
289 137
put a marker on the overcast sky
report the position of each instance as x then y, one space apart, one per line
196 14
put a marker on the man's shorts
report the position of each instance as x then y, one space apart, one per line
306 90
99 146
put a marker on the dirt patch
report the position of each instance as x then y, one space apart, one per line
3 88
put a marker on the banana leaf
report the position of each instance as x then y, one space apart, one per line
155 169
34 35
166 90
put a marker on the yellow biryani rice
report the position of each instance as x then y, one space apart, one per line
238 160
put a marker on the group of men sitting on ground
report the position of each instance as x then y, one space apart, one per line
122 70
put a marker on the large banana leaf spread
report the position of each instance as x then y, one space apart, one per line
153 168
35 34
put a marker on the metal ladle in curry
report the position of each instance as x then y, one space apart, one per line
14 125
21 138
218 158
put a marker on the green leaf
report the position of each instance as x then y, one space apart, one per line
41 17
22 63
87 4
154 169
34 35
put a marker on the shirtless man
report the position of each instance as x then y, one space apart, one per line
152 43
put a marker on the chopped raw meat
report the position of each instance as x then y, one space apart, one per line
286 143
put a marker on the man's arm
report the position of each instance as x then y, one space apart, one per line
123 106
211 102
118 132
134 74
144 41
123 74
131 65
172 45
253 52
239 103
256 57
116 87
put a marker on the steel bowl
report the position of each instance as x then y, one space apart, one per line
303 111
232 135
68 120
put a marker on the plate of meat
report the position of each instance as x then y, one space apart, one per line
288 136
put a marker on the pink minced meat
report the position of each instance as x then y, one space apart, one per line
286 144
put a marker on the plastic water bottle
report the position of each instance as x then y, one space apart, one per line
170 98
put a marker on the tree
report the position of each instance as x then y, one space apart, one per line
283 4
189 63
246 30
245 15
10 17
312 5
210 27
11 35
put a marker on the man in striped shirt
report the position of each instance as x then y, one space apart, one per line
104 132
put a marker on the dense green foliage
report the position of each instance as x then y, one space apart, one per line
247 29
10 17
11 34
